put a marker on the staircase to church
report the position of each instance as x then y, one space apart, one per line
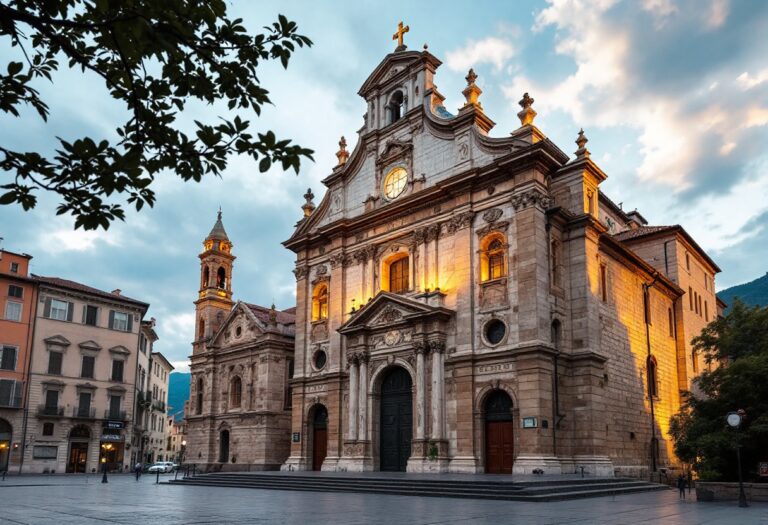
411 485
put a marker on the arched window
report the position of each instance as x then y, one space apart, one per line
201 333
398 275
695 361
396 107
221 278
320 303
554 253
235 392
206 277
199 404
493 261
556 334
653 380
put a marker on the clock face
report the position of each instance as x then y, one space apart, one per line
394 182
734 419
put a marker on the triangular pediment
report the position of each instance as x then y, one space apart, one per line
90 345
240 326
394 64
388 309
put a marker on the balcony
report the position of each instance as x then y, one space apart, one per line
115 415
158 405
50 411
84 413
143 398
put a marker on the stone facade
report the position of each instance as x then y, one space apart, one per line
238 417
536 333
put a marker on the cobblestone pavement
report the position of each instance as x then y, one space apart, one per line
83 500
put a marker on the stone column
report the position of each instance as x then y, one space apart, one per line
353 396
437 349
362 427
421 391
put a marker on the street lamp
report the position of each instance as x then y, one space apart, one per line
106 447
183 449
734 420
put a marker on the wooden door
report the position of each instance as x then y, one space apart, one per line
78 457
319 447
396 421
499 447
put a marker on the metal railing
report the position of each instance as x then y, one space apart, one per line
84 412
53 411
117 415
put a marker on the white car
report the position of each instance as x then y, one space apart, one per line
162 466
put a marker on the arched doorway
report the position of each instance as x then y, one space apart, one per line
6 433
224 446
79 438
499 444
396 421
319 436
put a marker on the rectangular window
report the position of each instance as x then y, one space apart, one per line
143 344
114 407
8 358
15 291
398 276
84 404
88 365
496 265
51 399
119 321
13 311
59 310
10 393
117 370
90 315
14 267
687 261
647 304
54 363
698 304
604 283
690 298
706 311
45 452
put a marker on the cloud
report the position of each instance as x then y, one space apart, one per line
65 239
746 81
490 50
180 366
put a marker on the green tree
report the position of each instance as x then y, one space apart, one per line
153 57
737 347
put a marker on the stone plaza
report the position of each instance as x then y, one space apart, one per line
84 500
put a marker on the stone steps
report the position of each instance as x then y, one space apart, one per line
481 489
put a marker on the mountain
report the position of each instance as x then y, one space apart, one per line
178 393
754 293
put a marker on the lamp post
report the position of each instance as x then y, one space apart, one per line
734 420
183 449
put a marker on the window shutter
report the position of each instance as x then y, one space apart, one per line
85 310
17 394
70 311
130 322
47 308
112 319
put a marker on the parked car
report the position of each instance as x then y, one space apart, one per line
162 466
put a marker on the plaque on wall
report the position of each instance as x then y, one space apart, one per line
296 437
529 422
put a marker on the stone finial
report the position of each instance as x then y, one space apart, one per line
342 154
273 314
527 115
472 92
308 206
581 142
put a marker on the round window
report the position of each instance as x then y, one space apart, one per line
320 359
238 331
495 330
394 182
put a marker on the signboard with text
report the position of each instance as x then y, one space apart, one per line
763 469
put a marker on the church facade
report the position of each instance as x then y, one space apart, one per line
238 416
475 304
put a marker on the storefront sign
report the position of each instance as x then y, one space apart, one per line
529 422
115 425
763 469
296 437
112 438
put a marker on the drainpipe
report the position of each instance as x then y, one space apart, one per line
30 349
646 311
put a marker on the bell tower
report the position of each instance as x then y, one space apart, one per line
214 300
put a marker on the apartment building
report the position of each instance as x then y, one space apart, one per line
158 431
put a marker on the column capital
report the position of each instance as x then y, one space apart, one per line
420 347
352 358
436 346
363 357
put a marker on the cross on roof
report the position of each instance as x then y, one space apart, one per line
399 35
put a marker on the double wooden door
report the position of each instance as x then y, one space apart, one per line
319 437
499 447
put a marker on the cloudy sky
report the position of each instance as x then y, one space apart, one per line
673 96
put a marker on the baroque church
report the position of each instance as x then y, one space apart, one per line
464 303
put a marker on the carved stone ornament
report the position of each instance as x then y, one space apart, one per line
459 222
340 259
301 272
392 337
436 346
420 347
389 315
321 270
492 215
531 197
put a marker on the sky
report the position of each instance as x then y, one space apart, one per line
673 96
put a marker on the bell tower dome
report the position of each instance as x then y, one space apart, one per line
214 299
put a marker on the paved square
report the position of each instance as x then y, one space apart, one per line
83 500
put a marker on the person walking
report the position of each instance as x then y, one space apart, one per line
681 485
137 469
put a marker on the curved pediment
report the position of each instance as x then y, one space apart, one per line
57 340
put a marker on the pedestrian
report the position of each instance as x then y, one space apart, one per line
681 485
137 468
